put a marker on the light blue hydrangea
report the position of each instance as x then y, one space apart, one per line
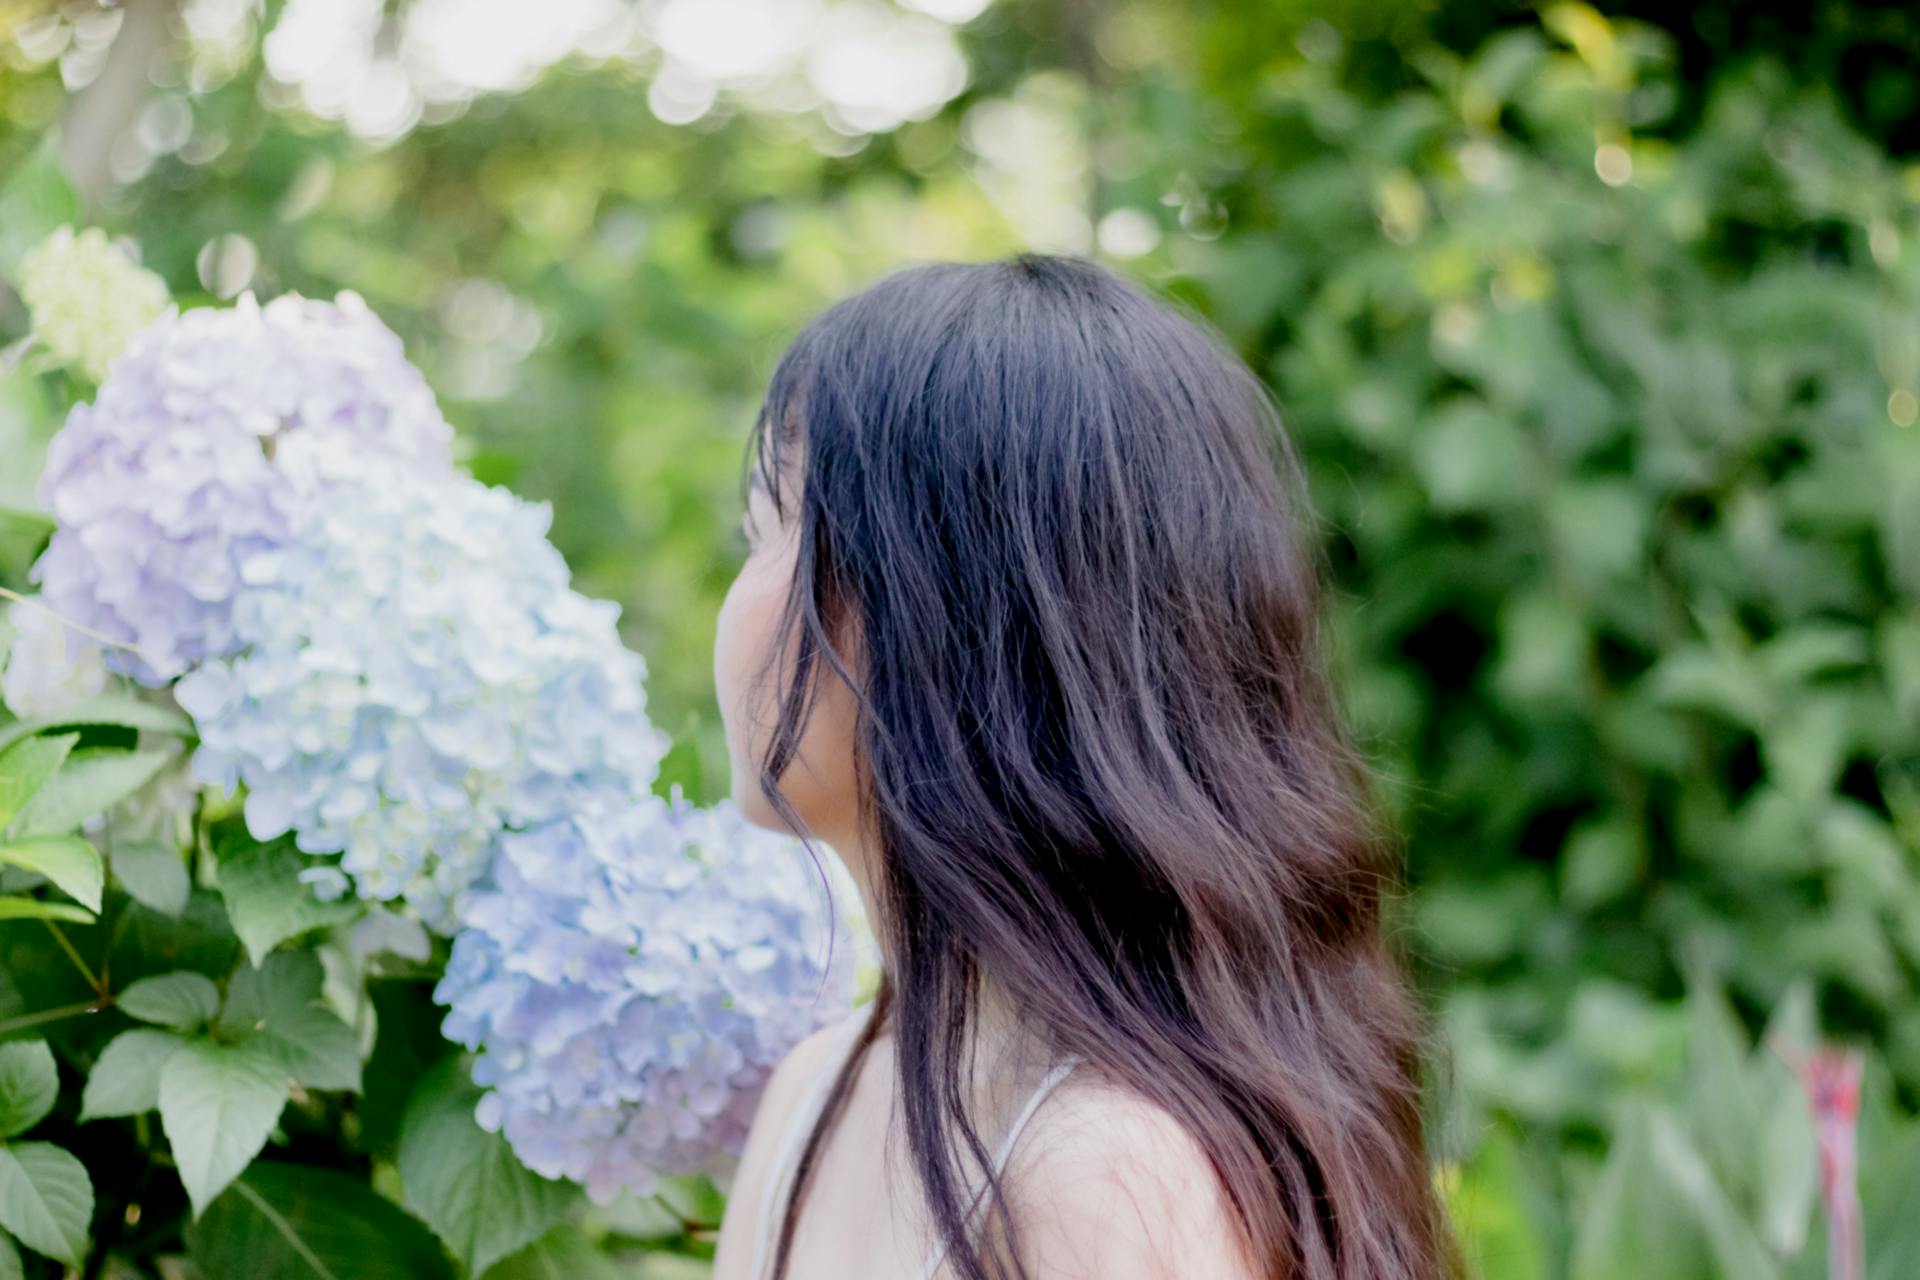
173 477
631 976
414 676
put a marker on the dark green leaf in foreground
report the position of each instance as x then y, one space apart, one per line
182 1000
464 1181
125 1080
279 1005
155 875
12 908
29 1083
108 709
25 767
88 784
218 1103
46 1199
562 1254
265 897
70 863
286 1222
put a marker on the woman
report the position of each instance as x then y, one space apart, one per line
1027 633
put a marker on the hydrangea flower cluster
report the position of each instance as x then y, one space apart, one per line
417 676
259 509
87 296
173 477
630 979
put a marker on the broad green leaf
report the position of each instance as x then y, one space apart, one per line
1810 648
125 1080
464 1182
88 784
10 1265
1789 1172
1721 682
1899 662
1730 1239
1794 1023
1807 748
24 769
693 1198
23 534
1635 1223
1600 863
29 1083
153 874
565 1253
1721 1097
1787 1160
107 709
288 979
1470 456
280 1003
265 897
285 1222
1889 1190
199 939
1486 1203
317 1049
218 1103
33 909
74 866
35 201
1543 651
407 1042
46 1200
181 1000
1601 527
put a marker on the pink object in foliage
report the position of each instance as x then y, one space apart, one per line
1831 1078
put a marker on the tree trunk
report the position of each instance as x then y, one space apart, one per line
100 113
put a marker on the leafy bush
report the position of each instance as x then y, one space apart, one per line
1614 441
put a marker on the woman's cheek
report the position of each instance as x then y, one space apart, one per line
738 652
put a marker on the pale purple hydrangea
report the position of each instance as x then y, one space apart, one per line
630 978
173 478
414 676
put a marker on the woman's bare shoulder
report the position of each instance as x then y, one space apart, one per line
800 1068
789 1084
1107 1183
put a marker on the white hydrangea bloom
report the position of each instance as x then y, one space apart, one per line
87 296
49 666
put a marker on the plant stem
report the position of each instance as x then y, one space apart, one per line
26 1020
74 955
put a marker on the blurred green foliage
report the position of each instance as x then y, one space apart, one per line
1601 343
1611 440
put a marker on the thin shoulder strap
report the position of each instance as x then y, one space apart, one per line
787 1154
1047 1085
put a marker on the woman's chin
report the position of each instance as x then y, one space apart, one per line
751 800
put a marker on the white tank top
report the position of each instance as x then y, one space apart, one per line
787 1155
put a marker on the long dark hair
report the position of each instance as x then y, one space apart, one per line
1057 529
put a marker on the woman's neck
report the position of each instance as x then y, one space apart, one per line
1005 1053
